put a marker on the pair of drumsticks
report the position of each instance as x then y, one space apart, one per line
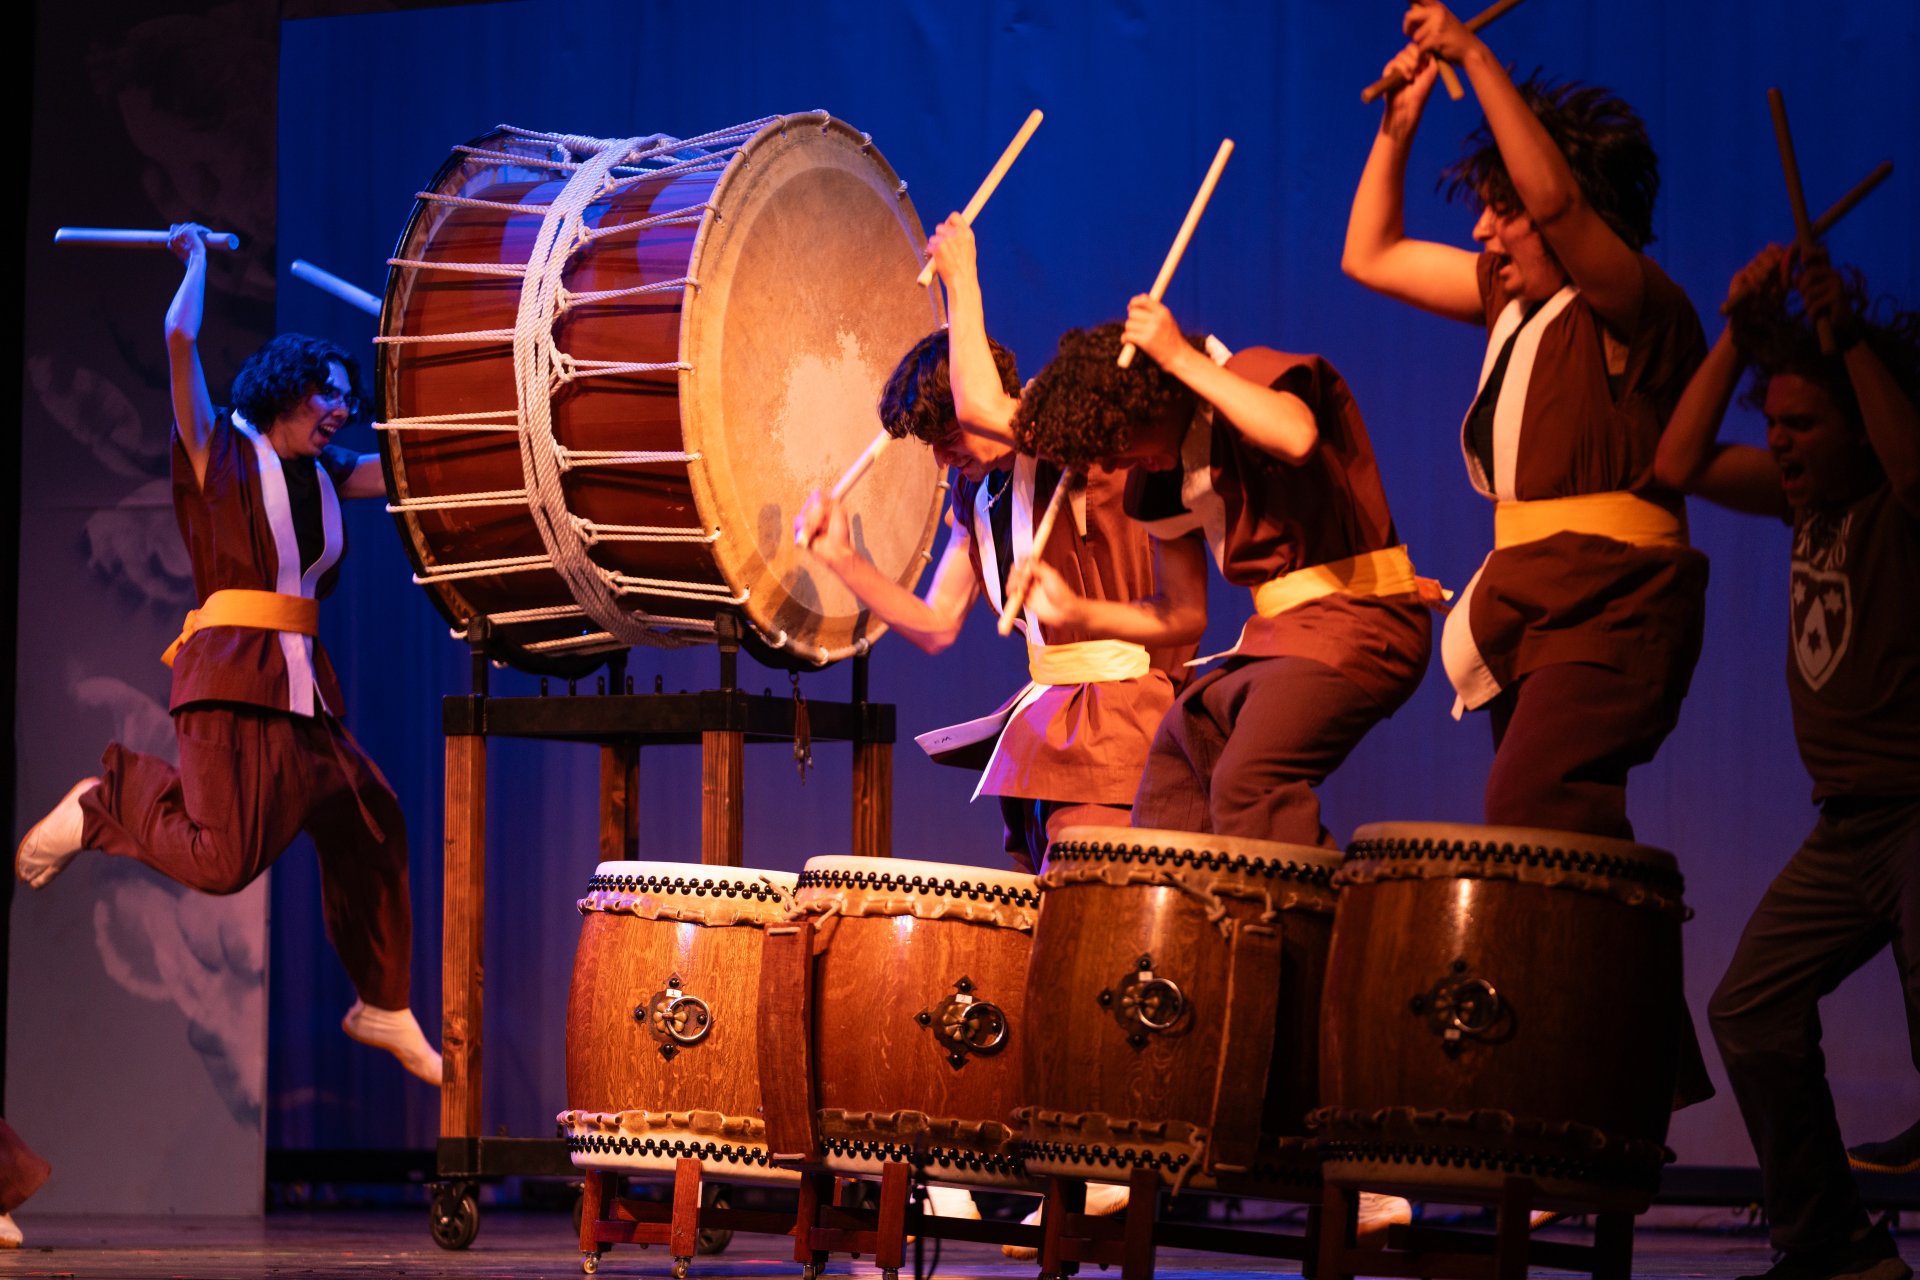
1020 581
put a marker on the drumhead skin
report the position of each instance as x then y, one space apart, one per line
1216 852
765 292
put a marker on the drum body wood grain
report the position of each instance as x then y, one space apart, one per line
919 982
1502 1001
599 423
663 1020
1173 1009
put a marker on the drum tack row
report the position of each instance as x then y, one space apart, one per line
1461 1014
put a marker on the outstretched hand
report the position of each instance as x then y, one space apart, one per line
1049 597
952 251
1767 273
823 528
188 240
1404 106
1435 30
1150 327
1824 294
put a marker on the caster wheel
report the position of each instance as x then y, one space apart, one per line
680 1266
589 1263
454 1215
890 1273
809 1272
714 1239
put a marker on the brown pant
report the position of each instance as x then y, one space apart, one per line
21 1169
1564 737
249 781
1032 825
1242 750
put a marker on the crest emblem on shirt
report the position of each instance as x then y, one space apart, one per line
1822 613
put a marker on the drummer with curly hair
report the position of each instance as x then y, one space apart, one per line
1067 749
256 705
1842 466
1580 632
1260 458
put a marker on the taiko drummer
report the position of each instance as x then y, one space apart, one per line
256 705
1069 748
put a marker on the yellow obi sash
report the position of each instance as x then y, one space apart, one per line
1623 517
267 610
1387 572
1087 662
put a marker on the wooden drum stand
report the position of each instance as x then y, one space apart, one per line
722 721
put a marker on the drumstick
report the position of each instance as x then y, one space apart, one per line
1797 197
121 238
1840 208
999 171
1198 207
851 476
351 294
1392 83
1020 586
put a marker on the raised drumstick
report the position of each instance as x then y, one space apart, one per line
999 171
122 238
1393 84
1194 211
351 294
1797 197
851 476
1841 208
1020 583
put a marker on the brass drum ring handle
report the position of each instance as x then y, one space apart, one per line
983 1028
682 1010
1475 1007
1158 993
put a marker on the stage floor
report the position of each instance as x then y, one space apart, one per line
319 1244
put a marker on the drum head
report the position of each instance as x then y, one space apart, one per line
807 301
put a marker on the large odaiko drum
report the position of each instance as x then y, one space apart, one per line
1173 1009
894 1020
612 370
663 1021
1502 1002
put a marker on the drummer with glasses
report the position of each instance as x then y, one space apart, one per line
263 754
1068 748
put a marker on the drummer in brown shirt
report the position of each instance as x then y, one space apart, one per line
1842 465
1069 747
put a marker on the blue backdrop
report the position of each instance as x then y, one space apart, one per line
1137 96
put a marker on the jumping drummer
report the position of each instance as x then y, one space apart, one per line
1842 464
1580 632
263 755
1070 746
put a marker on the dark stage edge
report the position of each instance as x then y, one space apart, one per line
332 1243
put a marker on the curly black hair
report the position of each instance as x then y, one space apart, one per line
918 398
1774 337
1083 408
286 371
1605 143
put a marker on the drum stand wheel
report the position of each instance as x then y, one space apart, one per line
1430 1253
454 1215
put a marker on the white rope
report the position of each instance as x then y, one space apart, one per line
597 639
514 269
595 532
471 335
691 214
566 368
469 202
571 458
547 613
704 591
569 299
454 501
524 162
482 569
485 420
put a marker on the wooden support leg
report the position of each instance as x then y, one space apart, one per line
1310 1244
684 1238
723 755
464 863
1339 1210
1143 1206
1513 1227
595 1196
619 802
890 1246
816 1189
1613 1246
873 799
1066 1199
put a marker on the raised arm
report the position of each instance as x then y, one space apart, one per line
1434 277
1891 420
979 400
1278 422
187 381
932 623
1596 259
366 480
1691 457
1174 615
